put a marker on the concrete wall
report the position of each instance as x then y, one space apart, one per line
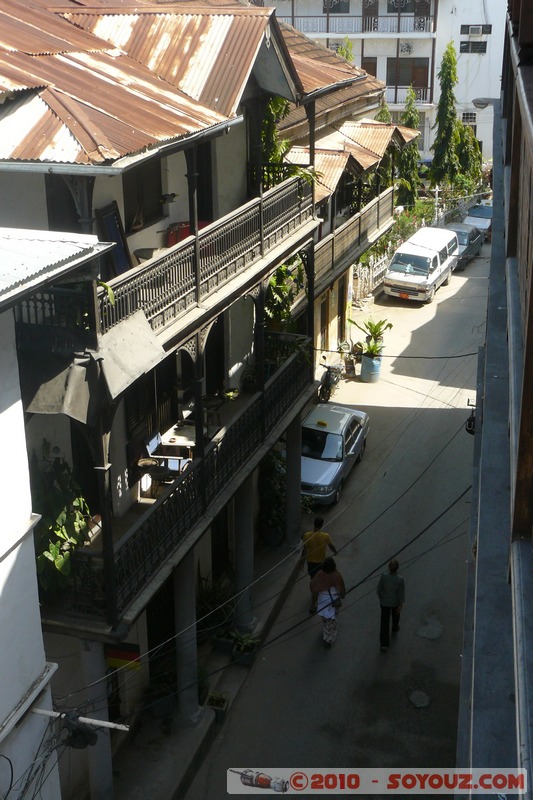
22 659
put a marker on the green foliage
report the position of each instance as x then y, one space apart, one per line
383 115
408 179
273 147
63 524
245 642
445 165
284 285
375 330
346 49
470 161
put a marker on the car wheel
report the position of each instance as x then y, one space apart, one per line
431 296
338 493
446 282
361 452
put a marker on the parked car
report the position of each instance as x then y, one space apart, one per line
422 264
470 241
333 440
480 215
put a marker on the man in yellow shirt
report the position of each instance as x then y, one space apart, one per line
315 543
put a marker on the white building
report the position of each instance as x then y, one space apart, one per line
28 741
401 42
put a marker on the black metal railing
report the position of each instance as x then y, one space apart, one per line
166 286
157 534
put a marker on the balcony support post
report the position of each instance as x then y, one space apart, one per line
244 554
103 468
310 111
191 156
99 759
186 649
294 479
308 258
259 339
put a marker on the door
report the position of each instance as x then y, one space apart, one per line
421 21
370 15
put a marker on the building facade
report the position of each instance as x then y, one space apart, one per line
497 721
156 379
401 42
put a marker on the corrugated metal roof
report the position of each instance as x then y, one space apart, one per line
356 146
329 166
90 107
207 52
73 97
29 258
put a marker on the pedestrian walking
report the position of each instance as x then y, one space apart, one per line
391 593
328 586
315 543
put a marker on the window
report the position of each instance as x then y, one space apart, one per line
370 64
142 195
408 72
403 6
335 6
470 118
473 47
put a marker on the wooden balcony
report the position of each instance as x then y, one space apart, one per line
185 508
340 25
339 250
167 286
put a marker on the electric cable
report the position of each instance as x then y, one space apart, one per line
307 619
11 776
290 555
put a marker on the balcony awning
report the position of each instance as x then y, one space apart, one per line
127 351
79 386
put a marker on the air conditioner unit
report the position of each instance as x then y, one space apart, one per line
475 30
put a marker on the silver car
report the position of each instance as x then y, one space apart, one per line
333 440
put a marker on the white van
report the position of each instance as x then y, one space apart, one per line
421 264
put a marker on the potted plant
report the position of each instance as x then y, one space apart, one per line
219 702
245 647
372 348
373 330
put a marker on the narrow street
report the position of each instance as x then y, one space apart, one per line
353 706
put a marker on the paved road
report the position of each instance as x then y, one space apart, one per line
303 706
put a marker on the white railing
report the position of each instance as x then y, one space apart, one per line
367 277
398 94
345 24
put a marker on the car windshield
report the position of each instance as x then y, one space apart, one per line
485 212
410 264
321 444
